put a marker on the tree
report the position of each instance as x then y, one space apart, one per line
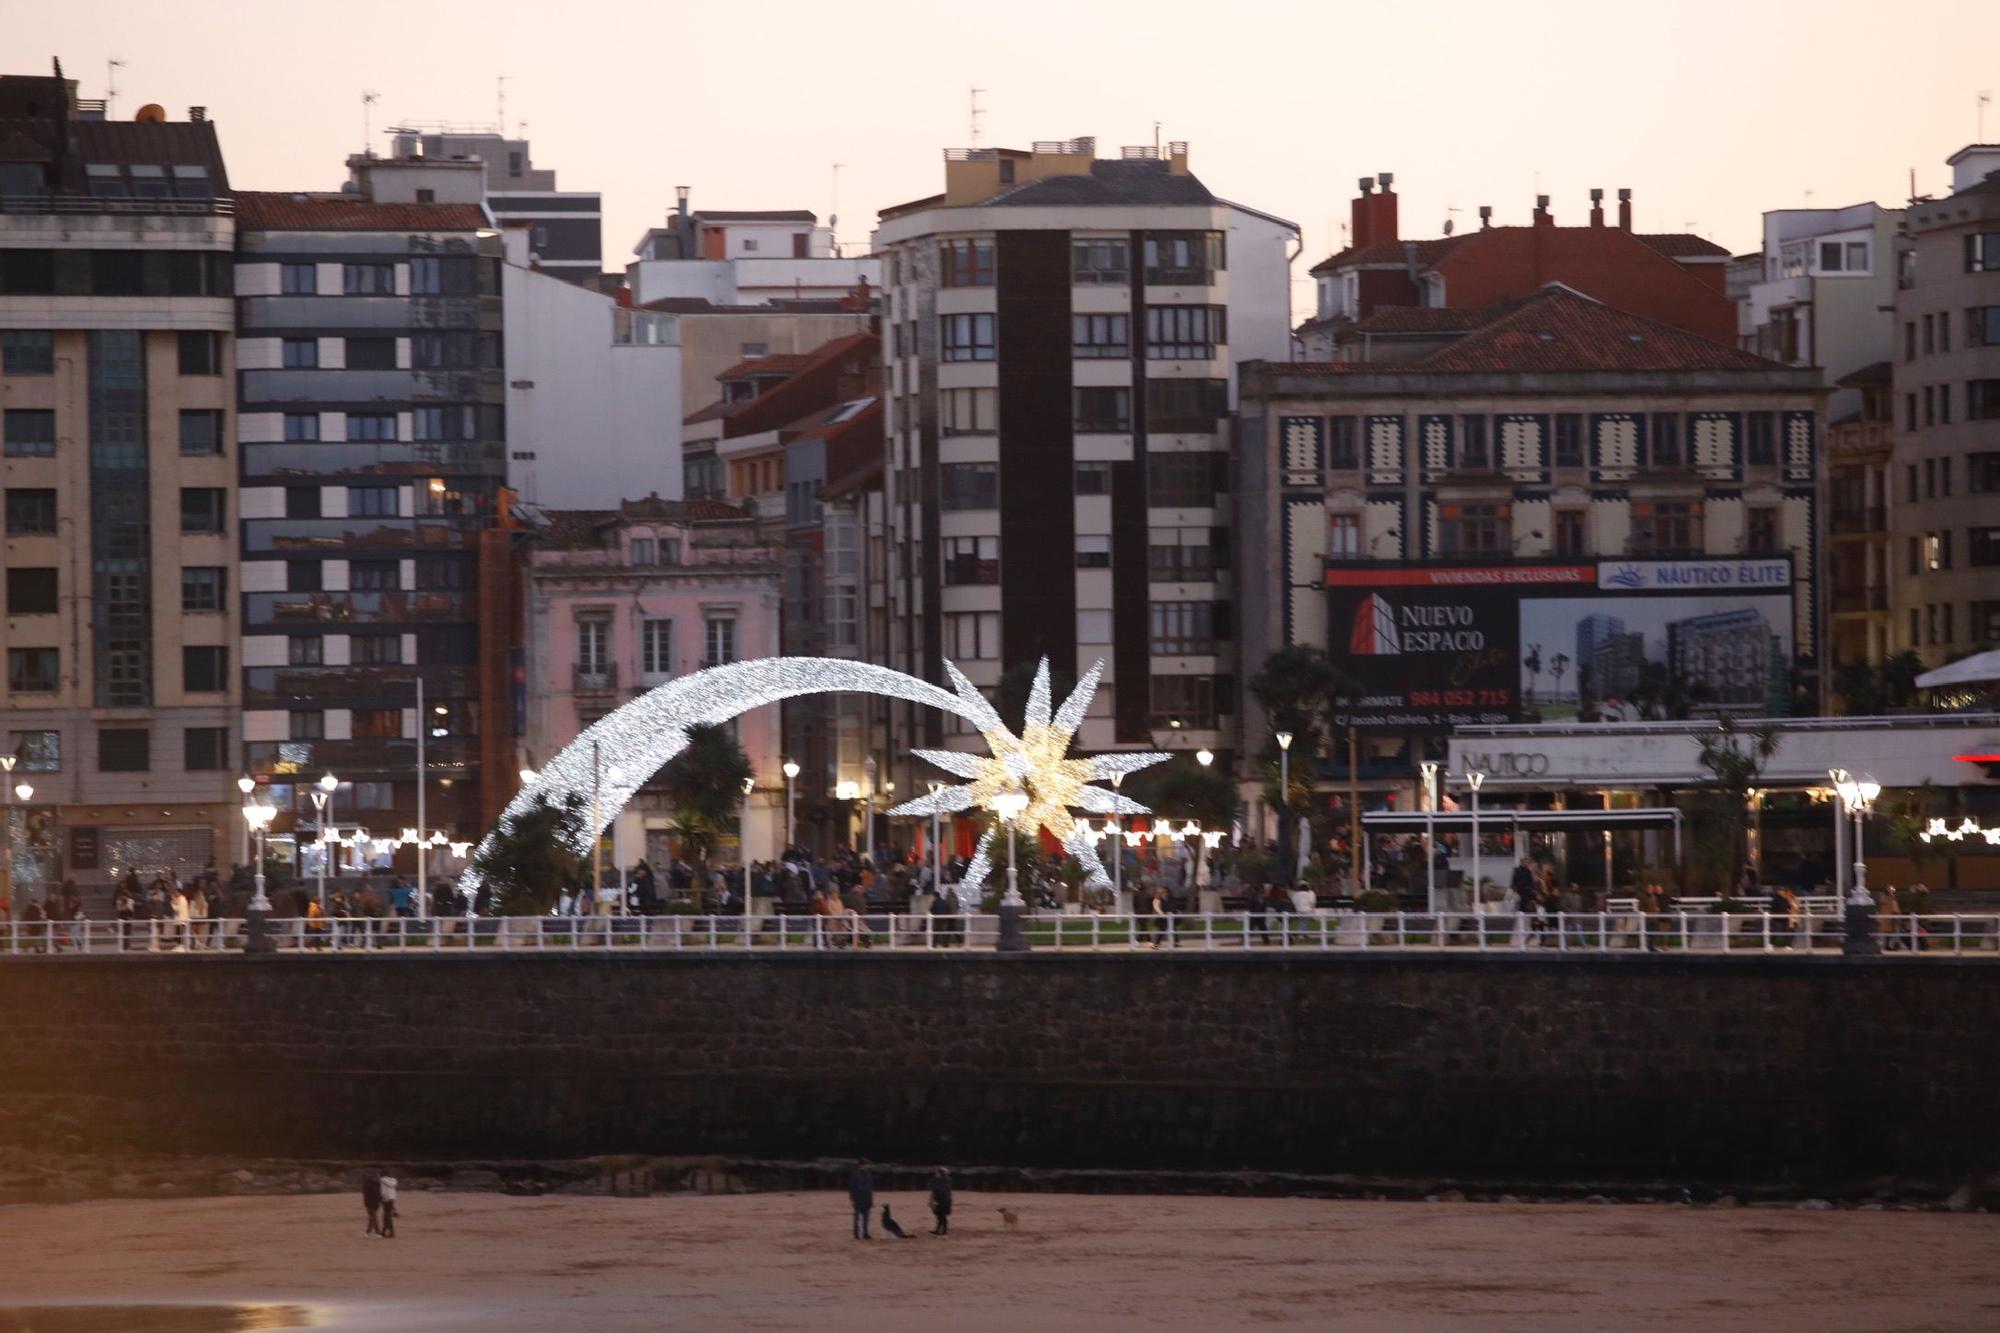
1882 687
1558 667
1533 661
704 788
1735 759
1182 789
1295 687
530 856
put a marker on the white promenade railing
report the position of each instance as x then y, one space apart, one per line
1583 934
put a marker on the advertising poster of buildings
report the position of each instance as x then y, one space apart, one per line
1442 645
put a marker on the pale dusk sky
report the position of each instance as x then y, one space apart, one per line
1710 112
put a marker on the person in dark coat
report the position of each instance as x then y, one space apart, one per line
861 1193
371 1199
941 1201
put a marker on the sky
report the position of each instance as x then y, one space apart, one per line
1709 112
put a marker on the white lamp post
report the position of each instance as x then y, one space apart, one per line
1204 757
1117 833
1009 805
937 848
1858 795
246 784
425 726
257 817
868 769
1284 802
322 800
1428 796
791 775
1476 778
1839 777
749 785
7 833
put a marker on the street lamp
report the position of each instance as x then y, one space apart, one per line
7 762
257 817
868 769
749 785
1285 864
791 769
246 784
1476 778
1117 832
1204 757
937 849
1858 795
1429 768
1009 805
1838 777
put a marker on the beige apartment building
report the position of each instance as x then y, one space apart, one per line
116 385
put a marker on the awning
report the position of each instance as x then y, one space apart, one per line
1974 670
1495 819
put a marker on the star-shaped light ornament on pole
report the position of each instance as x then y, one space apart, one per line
1036 763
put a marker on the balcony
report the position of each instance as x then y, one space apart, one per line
602 679
1860 522
84 205
356 608
1855 601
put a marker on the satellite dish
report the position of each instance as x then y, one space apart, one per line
151 114
1447 226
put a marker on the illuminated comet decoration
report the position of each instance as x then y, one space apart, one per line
1036 763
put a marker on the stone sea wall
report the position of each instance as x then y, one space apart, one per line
1798 1072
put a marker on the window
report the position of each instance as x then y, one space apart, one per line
1761 442
1666 527
750 245
1916 627
1185 481
302 502
368 279
201 431
31 512
441 423
27 273
1913 562
375 575
36 751
1944 405
301 426
202 588
201 509
298 279
31 432
1472 451
300 353
1093 550
1982 252
201 353
1182 258
31 591
1185 406
1171 561
371 425
205 670
302 576
1475 529
124 750
1982 547
1982 326
1343 536
27 352
1909 340
1093 479
377 723
376 649
964 486
965 264
371 501
1910 411
964 412
1343 442
1666 433
1931 621
1910 482
970 635
1103 409
1185 628
1930 405
1930 335
719 634
968 337
205 749
1761 531
425 276
1100 337
1944 615
1570 539
1183 332
1982 473
656 647
1944 477
306 650
371 353
1188 700
1982 398
971 560
1982 626
308 724
32 670
643 550
1101 261
1093 626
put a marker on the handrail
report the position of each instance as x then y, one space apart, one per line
221 206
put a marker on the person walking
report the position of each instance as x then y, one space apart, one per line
941 1201
371 1199
388 1208
861 1193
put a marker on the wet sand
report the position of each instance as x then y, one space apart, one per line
779 1261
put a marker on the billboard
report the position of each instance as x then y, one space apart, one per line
1434 646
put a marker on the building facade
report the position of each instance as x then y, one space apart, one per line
1825 294
1945 481
735 257
372 442
1859 460
565 228
118 544
622 600
1061 334
1565 511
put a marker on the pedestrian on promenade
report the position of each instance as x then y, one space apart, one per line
371 1199
861 1194
941 1201
388 1208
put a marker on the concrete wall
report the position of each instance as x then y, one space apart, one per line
1807 1071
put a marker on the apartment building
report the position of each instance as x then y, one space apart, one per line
1061 333
744 257
1562 510
564 228
1825 293
1944 515
118 541
372 442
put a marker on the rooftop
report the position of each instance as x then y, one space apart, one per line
585 528
1111 183
274 211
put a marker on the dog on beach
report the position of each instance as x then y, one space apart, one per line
892 1226
1010 1217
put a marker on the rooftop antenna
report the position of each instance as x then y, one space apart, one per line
500 104
1984 100
111 67
368 101
977 112
833 215
1156 138
1450 212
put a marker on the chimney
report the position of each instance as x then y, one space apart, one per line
1597 208
1361 215
1543 218
1624 210
1485 216
1384 226
197 113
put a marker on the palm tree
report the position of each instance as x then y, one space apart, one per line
704 786
1557 667
1533 661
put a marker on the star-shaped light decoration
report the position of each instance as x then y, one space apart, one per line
1034 763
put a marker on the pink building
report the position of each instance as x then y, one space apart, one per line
619 601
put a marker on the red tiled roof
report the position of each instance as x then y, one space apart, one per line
272 211
776 363
768 407
1559 330
1392 252
1391 319
1682 245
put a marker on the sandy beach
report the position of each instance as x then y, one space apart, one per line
780 1261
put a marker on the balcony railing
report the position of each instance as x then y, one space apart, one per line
1847 601
83 204
595 680
1855 522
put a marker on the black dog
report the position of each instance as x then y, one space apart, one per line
892 1226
